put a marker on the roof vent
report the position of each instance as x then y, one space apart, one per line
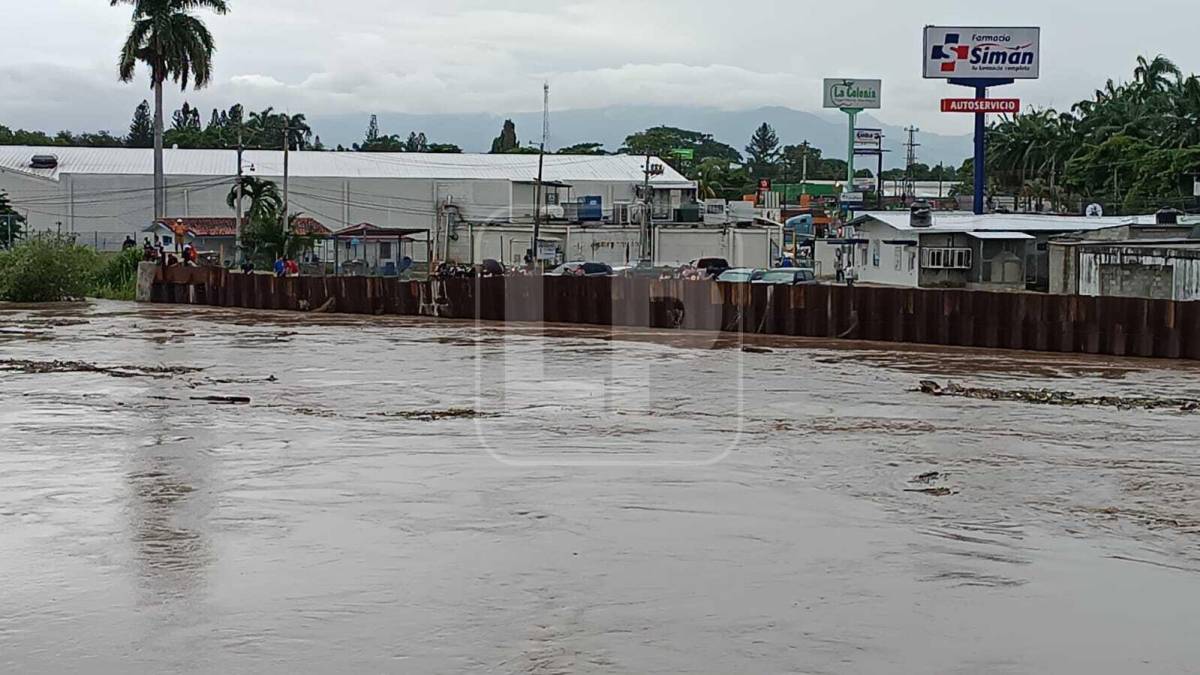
1167 216
921 214
44 162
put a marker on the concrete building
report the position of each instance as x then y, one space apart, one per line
957 250
1154 257
1137 268
103 195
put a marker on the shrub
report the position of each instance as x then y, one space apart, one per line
116 277
47 268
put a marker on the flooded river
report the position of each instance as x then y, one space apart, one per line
409 496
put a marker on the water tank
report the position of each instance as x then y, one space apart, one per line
688 213
591 209
1167 216
921 215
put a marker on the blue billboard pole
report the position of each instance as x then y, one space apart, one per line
981 86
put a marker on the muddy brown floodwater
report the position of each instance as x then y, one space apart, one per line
417 497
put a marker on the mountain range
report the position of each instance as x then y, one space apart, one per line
610 126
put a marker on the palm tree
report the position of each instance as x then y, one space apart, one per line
175 45
265 200
1157 74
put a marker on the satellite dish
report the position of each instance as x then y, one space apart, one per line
1094 211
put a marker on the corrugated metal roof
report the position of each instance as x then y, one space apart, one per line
1001 222
135 161
1000 235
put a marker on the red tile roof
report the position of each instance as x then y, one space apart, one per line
225 227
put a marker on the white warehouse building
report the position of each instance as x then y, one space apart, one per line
103 195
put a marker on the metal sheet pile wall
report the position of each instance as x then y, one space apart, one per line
1050 323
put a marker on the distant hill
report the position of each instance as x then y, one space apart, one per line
610 126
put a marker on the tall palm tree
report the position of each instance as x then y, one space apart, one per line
175 45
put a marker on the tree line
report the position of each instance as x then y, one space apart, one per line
1131 147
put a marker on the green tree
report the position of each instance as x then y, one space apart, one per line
416 143
175 45
261 195
445 149
23 137
583 149
507 141
662 141
141 129
1130 147
763 152
12 224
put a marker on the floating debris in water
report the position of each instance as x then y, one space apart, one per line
757 350
45 367
224 400
933 491
436 415
925 483
1064 398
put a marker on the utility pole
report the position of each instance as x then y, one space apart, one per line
644 235
237 246
804 168
911 147
537 193
286 147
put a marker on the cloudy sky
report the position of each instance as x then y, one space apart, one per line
360 56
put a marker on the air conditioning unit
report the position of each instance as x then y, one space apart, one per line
44 162
715 212
622 213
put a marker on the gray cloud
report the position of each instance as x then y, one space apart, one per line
417 56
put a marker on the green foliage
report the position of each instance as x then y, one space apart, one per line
375 141
172 42
47 268
663 141
507 141
11 222
763 152
141 128
261 199
266 238
1131 147
116 276
583 149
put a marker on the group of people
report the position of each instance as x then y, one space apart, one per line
285 267
157 252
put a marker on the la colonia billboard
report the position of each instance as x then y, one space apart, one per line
860 94
997 53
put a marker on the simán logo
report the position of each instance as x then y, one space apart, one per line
986 52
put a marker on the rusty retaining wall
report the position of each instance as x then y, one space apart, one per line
1048 323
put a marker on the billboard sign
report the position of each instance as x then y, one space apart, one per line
1010 106
861 94
989 53
852 198
868 139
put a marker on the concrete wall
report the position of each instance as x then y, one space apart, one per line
746 247
1157 273
1063 263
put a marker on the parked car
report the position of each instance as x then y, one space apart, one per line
788 276
711 267
741 275
582 269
